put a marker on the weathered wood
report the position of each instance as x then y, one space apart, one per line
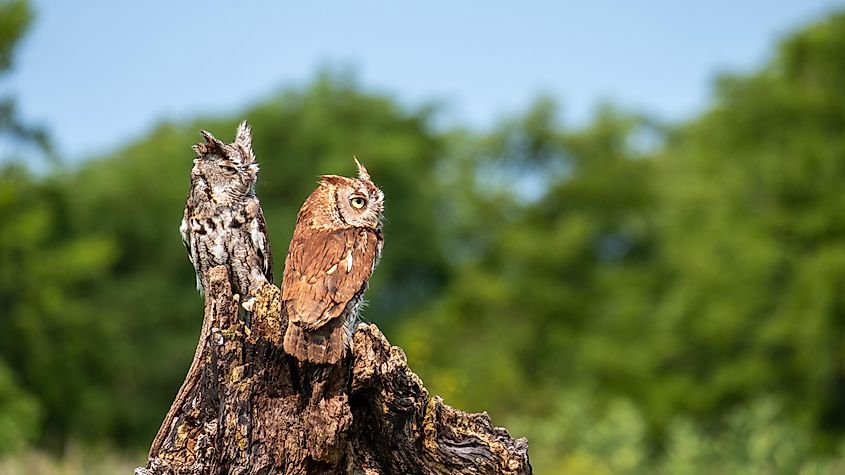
247 407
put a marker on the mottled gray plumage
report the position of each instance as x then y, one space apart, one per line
335 247
223 222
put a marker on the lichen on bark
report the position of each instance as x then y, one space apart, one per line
247 407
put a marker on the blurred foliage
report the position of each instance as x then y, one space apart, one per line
15 19
76 460
634 297
580 437
104 314
19 413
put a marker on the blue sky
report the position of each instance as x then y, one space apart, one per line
99 73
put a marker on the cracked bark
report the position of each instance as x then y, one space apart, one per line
246 407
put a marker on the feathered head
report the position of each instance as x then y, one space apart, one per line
228 170
357 202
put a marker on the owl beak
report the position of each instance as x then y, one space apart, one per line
362 170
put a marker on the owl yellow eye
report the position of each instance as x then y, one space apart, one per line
358 202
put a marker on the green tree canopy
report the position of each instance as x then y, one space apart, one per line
681 280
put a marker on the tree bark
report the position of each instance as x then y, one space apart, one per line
247 407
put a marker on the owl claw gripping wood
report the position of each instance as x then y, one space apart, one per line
223 222
335 247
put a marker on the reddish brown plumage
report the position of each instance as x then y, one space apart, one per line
334 250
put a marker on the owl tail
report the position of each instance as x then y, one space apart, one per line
325 345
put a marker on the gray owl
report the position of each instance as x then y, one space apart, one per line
335 247
223 222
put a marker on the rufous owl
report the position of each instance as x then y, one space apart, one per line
335 247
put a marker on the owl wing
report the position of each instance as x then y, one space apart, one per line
262 247
188 240
325 270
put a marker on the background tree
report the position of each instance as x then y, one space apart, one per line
632 296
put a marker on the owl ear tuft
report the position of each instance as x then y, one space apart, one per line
243 138
362 170
211 139
333 179
212 145
200 149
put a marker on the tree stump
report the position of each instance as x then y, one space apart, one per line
247 407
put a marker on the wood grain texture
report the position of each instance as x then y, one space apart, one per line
256 410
